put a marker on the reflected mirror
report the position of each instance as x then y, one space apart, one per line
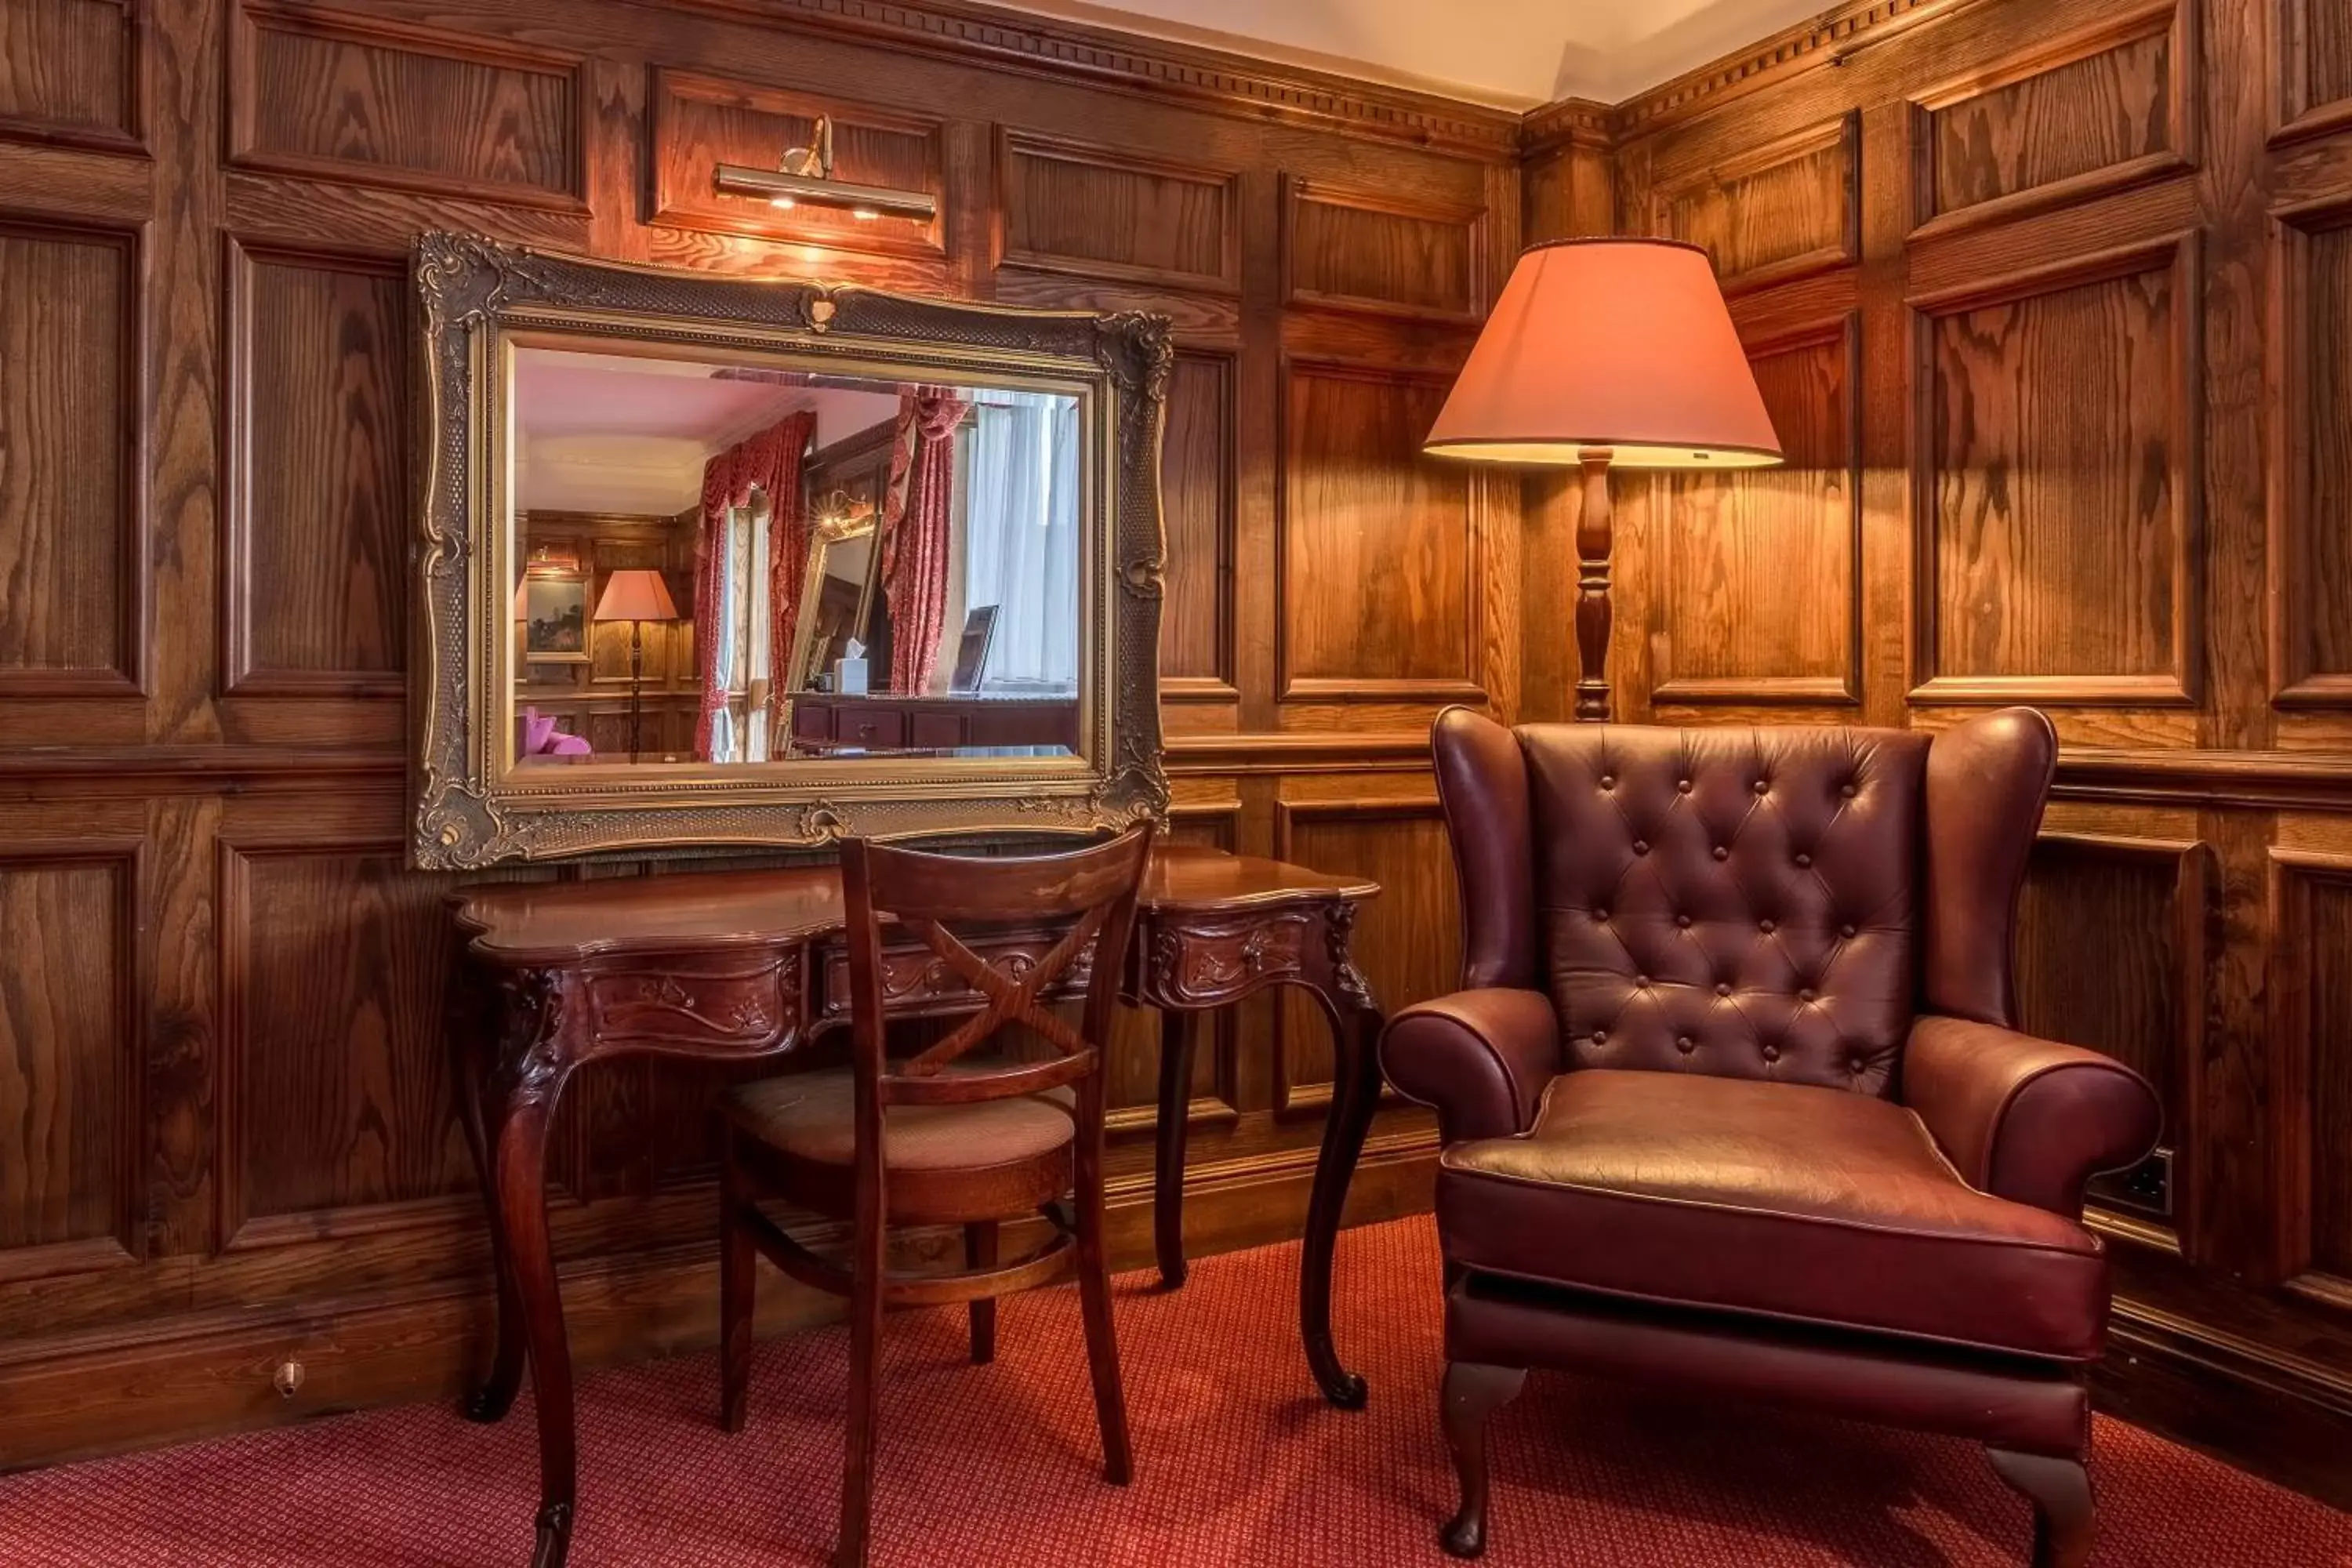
729 564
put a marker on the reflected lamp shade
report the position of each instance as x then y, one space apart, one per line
637 594
1621 346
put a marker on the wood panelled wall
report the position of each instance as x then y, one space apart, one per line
2051 303
225 1133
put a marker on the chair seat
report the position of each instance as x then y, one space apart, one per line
1779 1200
811 1116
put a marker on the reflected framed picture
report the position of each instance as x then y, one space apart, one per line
972 649
555 619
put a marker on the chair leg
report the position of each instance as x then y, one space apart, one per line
980 1252
1472 1392
738 1286
1102 1340
865 1369
2064 1519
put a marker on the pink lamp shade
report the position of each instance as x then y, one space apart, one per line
637 594
1622 345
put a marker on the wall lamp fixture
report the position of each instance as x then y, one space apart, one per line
805 178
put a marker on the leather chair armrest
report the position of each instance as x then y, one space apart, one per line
2025 1119
1481 1058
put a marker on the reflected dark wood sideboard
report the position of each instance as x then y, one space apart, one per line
735 965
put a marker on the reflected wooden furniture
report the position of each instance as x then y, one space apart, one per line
925 722
944 1137
738 965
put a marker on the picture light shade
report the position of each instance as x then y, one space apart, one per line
1621 346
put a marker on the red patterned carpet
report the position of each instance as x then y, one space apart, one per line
1237 1463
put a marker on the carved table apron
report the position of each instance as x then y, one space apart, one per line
732 965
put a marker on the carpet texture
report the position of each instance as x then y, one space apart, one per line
1237 1462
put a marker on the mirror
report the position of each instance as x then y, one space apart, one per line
772 562
734 564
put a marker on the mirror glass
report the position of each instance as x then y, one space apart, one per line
739 564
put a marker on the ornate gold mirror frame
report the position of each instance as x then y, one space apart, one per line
480 297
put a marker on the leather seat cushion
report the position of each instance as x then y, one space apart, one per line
812 1116
1781 1199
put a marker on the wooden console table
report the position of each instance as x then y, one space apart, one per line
731 965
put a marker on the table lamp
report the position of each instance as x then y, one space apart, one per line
635 595
1602 353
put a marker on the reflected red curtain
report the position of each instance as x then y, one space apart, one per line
711 592
788 548
915 547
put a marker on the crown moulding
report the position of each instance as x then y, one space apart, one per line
1256 88
1234 83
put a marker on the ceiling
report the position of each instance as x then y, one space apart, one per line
1513 54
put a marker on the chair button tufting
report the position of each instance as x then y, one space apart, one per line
1760 786
1643 980
1722 852
1855 1066
1804 859
1601 914
1723 988
1847 791
1684 1043
1600 1036
1608 781
1682 787
1807 996
1683 921
1767 927
1845 930
1641 846
1771 1053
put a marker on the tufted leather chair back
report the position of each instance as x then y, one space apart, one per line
1772 903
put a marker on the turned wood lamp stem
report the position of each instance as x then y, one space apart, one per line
1593 618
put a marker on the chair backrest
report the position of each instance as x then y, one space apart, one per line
1048 915
1744 902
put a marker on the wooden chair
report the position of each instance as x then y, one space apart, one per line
939 1139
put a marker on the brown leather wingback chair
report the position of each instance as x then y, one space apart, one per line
1733 1099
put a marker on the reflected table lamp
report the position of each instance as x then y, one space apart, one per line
1606 353
637 596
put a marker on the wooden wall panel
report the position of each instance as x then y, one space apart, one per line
318 465
2311 483
334 964
1774 213
2312 897
1379 567
2056 445
1071 206
2093 112
2311 74
68 1055
1729 629
1366 250
2144 1001
339 96
70 461
702 122
69 72
1408 942
1197 494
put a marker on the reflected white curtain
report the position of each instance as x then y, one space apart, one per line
1021 548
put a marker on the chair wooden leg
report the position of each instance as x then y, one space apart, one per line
1102 1340
865 1371
2065 1517
738 1286
980 1252
1472 1392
